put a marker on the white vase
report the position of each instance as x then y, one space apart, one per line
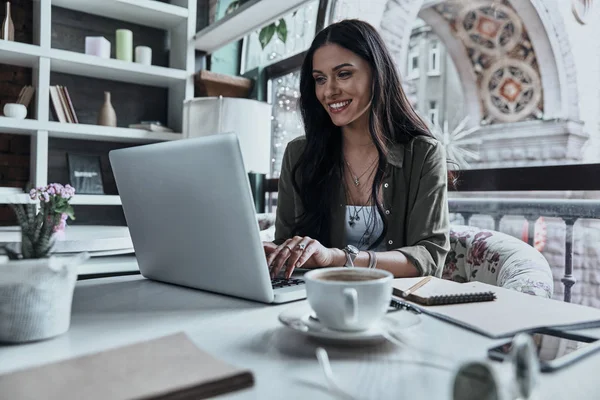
36 297
14 110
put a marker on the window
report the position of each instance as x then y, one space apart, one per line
300 28
287 123
433 112
413 64
434 58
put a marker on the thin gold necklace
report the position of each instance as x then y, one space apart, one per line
355 178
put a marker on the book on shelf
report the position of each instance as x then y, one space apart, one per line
153 126
25 95
62 105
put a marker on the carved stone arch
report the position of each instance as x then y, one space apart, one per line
555 34
546 29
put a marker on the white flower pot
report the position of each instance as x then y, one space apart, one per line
36 297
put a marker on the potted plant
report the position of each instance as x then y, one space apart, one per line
36 287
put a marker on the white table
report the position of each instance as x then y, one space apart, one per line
110 312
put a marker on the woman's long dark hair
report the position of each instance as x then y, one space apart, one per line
318 172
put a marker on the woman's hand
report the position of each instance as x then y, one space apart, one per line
298 252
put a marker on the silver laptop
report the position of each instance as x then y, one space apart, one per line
189 209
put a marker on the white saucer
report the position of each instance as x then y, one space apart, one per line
302 321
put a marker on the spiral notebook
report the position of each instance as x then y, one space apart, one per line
432 291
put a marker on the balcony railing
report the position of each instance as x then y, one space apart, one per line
568 210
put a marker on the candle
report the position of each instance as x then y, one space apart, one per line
124 45
97 46
143 55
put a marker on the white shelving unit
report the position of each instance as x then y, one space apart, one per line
84 131
142 12
178 18
117 70
248 18
21 54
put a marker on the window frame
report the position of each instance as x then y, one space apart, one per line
437 53
413 73
435 111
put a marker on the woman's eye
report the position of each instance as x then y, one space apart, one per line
344 74
319 80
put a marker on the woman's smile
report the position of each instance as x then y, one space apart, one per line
339 106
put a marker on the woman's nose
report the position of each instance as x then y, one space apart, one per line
331 88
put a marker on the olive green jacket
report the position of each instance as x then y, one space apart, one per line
414 199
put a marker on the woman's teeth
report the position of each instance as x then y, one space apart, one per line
336 107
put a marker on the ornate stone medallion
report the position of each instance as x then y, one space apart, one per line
492 28
511 90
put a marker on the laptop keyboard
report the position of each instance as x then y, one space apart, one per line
281 282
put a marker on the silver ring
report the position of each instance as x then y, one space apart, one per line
301 246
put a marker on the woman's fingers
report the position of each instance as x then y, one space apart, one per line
309 248
274 253
297 252
269 247
285 251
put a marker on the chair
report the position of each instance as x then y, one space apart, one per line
481 255
497 259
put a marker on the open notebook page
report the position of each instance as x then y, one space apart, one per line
510 313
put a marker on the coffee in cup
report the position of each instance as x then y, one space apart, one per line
349 299
345 276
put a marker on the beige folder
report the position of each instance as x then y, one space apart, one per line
170 367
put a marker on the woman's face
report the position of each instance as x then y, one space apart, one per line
342 83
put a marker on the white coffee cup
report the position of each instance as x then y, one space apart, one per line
349 299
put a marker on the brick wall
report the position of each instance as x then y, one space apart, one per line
14 149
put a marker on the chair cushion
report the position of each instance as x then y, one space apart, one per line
498 259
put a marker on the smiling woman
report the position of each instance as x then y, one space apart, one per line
366 186
343 89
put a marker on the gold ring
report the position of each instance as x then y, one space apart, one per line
289 248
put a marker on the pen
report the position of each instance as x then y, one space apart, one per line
406 293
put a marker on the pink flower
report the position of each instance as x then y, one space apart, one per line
46 197
33 194
67 192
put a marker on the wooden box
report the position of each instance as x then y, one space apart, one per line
209 84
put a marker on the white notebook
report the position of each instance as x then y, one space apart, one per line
437 292
510 313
